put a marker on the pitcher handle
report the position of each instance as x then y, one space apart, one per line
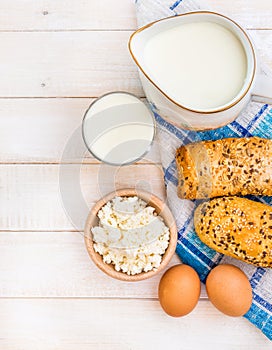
262 91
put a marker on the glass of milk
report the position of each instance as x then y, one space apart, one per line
118 128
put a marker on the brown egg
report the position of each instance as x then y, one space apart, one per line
179 290
229 290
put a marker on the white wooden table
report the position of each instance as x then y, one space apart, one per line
56 56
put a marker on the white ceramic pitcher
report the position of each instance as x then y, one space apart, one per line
256 86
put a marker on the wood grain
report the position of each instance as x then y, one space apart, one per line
63 64
40 130
56 264
120 324
51 294
49 197
93 15
73 64
67 15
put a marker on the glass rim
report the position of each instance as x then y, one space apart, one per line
128 162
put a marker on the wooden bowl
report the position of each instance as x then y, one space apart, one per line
160 208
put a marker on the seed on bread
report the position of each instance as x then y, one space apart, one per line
225 167
237 227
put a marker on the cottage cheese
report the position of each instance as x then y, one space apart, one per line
130 235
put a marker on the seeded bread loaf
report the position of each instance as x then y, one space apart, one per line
225 167
237 227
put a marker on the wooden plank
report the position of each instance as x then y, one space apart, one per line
73 64
49 197
49 131
40 130
56 264
263 41
120 324
66 64
67 15
93 15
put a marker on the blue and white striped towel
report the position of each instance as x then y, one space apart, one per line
255 120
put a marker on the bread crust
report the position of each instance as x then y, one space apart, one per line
237 227
226 167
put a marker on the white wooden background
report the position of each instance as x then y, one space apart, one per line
56 56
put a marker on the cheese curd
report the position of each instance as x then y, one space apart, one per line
130 235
